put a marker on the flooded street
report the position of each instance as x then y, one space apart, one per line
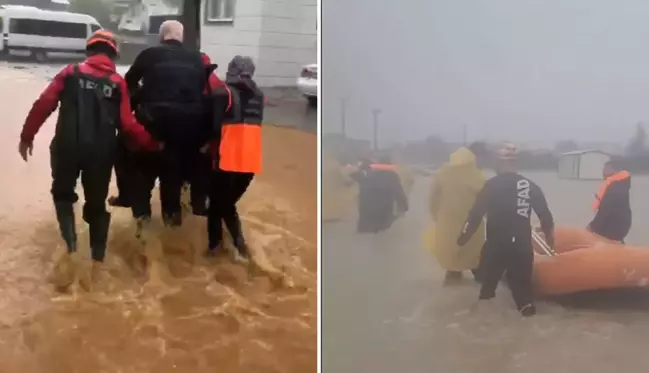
190 314
385 310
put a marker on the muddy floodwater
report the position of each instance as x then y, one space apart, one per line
385 311
185 313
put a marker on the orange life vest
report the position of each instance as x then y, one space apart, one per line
607 183
380 166
240 149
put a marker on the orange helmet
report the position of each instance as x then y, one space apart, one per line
103 36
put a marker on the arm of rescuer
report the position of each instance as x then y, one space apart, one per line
137 70
221 103
476 214
216 100
48 101
42 108
542 211
607 212
129 123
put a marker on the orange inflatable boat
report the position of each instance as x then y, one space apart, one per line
584 261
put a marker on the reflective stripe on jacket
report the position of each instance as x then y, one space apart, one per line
240 148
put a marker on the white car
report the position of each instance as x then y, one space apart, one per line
307 83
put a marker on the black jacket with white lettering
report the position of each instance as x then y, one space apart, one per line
508 200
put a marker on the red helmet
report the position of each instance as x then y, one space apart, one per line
103 36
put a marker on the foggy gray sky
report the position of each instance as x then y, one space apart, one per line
523 70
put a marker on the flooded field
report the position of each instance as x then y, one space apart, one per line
186 314
384 309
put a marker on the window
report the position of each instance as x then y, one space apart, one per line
48 28
94 27
220 10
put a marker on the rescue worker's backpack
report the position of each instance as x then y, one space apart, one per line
175 83
89 117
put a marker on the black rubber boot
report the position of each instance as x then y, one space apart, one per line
214 235
234 226
528 310
99 236
67 224
143 223
172 220
199 209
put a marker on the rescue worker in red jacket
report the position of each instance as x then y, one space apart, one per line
198 172
94 105
238 111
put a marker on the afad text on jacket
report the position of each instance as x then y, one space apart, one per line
94 104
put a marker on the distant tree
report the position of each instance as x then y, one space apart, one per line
637 146
565 146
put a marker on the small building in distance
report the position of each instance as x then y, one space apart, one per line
582 164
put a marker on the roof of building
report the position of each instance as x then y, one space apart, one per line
581 152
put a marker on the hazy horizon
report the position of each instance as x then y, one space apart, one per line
527 70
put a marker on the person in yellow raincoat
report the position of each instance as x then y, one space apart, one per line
455 189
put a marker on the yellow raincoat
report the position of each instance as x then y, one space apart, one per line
455 188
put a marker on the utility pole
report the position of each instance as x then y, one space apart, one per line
376 113
343 114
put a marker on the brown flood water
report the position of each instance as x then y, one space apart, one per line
190 315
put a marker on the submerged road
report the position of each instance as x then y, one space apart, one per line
184 313
385 311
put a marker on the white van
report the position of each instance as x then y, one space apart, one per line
40 32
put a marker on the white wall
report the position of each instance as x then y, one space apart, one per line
280 36
222 41
288 40
591 164
567 168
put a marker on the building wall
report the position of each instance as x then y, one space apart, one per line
280 35
222 41
568 167
288 40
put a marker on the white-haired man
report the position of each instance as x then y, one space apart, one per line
167 82
508 200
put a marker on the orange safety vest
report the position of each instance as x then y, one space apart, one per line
380 166
240 148
607 183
